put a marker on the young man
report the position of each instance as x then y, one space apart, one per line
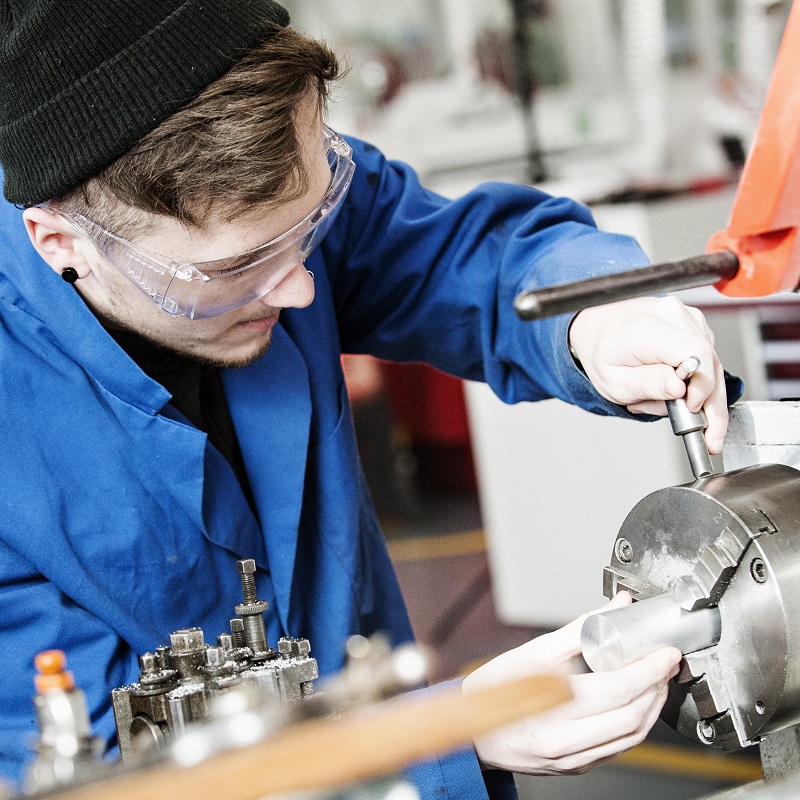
173 399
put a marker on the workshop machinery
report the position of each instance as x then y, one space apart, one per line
758 253
349 740
179 681
714 569
714 565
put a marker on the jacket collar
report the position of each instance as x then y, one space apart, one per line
28 284
270 403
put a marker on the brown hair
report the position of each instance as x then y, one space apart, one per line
234 147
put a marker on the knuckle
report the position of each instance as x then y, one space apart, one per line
630 720
553 747
624 693
673 305
698 318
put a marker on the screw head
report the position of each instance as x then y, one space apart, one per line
215 657
758 570
623 550
246 566
293 648
149 663
705 731
187 640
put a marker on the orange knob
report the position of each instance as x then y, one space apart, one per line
50 665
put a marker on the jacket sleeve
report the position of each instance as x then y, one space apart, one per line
457 775
418 277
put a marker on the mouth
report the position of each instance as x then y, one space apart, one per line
258 323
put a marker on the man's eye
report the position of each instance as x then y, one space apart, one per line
218 273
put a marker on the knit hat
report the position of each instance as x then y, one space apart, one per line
81 81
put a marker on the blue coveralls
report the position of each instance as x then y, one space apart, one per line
119 523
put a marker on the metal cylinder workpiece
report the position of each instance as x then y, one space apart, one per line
612 639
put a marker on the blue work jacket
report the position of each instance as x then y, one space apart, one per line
119 523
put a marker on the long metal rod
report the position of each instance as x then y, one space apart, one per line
611 639
667 277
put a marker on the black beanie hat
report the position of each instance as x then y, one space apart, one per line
81 81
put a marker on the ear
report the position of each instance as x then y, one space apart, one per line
56 241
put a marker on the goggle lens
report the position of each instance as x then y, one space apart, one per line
215 287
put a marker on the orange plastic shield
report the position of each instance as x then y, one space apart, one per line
762 229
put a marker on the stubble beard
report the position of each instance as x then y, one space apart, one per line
223 362
206 356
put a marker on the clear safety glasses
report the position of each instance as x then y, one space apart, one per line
210 288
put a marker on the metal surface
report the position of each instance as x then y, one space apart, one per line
780 754
66 750
731 541
690 425
668 277
179 685
784 789
615 638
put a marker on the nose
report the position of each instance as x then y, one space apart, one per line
296 290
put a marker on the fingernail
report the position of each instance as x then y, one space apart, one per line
674 661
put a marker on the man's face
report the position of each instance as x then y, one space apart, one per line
240 336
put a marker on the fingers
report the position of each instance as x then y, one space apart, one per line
609 713
565 642
601 692
716 408
656 408
634 721
631 350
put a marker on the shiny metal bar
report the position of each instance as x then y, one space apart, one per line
612 639
690 426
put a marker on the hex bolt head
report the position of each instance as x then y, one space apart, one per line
187 640
285 647
247 575
293 648
149 663
237 629
706 732
215 657
246 566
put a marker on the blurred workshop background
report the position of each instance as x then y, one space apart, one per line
499 523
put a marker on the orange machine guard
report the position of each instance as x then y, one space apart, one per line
762 230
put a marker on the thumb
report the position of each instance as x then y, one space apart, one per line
564 643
